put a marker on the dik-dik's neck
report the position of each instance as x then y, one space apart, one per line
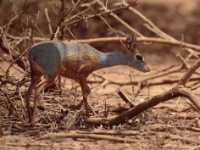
112 59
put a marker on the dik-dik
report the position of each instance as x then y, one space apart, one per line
75 61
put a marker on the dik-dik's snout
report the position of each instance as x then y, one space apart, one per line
140 63
143 66
146 67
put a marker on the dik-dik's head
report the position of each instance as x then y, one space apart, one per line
134 58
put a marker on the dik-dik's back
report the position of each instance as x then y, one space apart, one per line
67 59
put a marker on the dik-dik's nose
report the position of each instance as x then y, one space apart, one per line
146 67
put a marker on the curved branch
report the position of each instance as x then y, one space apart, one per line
189 73
173 93
178 90
117 39
141 40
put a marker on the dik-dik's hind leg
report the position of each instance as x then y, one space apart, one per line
34 81
39 87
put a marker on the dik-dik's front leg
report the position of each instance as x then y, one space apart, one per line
85 92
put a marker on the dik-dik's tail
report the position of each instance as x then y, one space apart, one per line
35 68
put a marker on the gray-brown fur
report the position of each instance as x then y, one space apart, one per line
76 61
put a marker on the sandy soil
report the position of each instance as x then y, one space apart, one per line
172 125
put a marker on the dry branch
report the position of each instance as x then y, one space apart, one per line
14 55
48 20
111 132
146 81
178 91
67 21
119 19
186 139
89 136
143 40
123 97
189 73
149 40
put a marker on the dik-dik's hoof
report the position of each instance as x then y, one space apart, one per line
75 107
31 121
88 109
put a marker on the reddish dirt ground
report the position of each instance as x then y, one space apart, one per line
172 125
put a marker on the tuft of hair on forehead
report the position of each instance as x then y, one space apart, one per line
130 42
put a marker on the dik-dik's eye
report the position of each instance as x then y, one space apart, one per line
139 57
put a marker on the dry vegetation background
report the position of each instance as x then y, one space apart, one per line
168 35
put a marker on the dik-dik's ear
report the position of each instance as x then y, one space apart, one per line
130 43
